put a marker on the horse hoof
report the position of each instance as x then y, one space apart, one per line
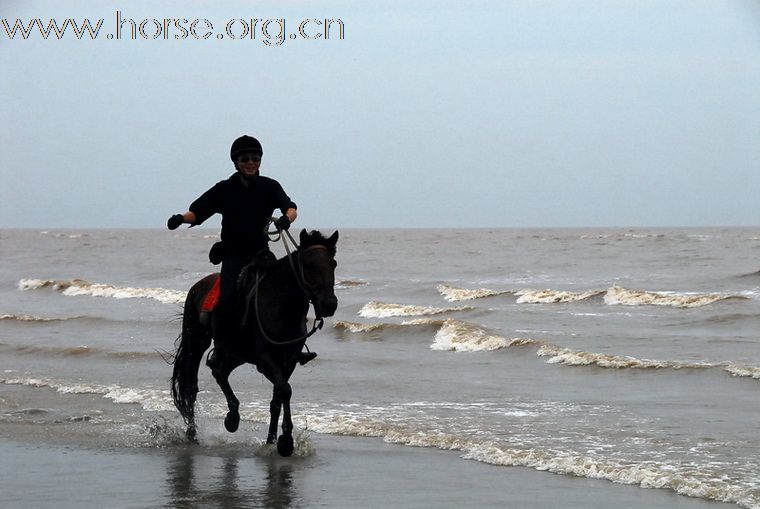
285 445
232 421
192 435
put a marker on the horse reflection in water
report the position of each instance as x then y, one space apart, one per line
273 332
195 480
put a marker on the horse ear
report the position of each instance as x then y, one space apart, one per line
303 236
333 238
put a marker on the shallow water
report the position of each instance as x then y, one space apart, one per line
626 355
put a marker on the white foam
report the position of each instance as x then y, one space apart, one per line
454 294
76 287
149 399
743 371
376 309
553 296
651 475
358 328
559 355
679 478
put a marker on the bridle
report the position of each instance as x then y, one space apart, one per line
304 285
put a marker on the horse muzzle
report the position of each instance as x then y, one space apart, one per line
326 306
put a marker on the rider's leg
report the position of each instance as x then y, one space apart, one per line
226 313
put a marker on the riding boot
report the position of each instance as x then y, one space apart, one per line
305 357
223 333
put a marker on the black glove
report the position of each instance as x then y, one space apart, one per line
174 221
283 223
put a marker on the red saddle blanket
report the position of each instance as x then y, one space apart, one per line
212 297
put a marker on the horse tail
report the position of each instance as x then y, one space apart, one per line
191 343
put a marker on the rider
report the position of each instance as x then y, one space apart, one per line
246 201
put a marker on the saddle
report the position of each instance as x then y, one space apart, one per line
210 301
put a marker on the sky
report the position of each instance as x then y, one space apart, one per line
527 113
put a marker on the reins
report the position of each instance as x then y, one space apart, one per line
300 279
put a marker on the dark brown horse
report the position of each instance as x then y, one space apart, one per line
273 306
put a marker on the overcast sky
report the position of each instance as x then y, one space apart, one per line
427 114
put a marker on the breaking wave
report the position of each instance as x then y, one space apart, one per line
560 355
554 296
359 328
148 399
454 294
621 296
459 336
614 295
376 309
75 287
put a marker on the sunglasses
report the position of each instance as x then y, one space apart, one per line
249 158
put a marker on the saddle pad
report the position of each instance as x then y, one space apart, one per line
212 297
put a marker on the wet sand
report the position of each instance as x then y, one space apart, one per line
342 472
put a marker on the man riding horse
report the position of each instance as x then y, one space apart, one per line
246 201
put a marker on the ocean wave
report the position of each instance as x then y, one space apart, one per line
459 336
32 318
355 328
621 296
344 284
148 399
77 287
454 294
74 351
359 328
683 481
554 296
376 309
742 370
559 355
614 295
651 474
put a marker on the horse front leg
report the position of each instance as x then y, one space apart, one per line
281 394
221 375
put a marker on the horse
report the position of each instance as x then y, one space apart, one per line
273 306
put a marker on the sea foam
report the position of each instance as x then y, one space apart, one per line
376 309
76 287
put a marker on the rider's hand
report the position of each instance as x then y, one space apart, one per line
174 221
283 223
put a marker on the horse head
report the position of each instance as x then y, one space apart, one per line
317 260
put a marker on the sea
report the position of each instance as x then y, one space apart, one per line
626 356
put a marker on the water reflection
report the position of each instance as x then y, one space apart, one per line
229 480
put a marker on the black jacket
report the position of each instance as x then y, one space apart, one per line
245 211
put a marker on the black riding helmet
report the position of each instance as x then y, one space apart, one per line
245 144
